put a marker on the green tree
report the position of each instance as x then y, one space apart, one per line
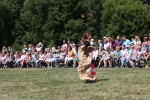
125 17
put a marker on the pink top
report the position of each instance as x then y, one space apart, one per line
113 44
134 53
146 43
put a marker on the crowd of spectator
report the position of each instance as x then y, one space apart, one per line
39 56
108 52
123 52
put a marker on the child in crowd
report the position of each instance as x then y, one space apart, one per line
101 56
111 57
107 56
117 56
100 44
123 55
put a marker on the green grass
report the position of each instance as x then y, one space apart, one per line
64 84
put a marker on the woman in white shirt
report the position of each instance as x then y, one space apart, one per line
40 59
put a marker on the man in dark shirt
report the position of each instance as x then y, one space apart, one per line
11 60
119 42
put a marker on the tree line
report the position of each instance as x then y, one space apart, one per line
51 21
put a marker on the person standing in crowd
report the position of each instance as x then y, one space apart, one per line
119 42
103 41
106 44
25 49
137 41
30 48
84 67
38 48
126 41
41 46
69 43
112 43
65 45
100 44
9 49
146 42
4 50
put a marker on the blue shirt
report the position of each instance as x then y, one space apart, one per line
126 43
117 54
100 45
133 41
119 42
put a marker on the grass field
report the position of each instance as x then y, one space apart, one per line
64 84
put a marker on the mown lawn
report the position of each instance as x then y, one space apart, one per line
64 84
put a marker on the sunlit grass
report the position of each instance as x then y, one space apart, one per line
64 84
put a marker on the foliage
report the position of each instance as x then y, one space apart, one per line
125 17
51 21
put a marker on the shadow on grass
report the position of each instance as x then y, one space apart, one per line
96 81
103 79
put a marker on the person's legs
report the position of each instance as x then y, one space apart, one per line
40 63
105 62
110 61
52 61
131 62
8 64
47 62
122 62
69 61
23 63
126 63
138 62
